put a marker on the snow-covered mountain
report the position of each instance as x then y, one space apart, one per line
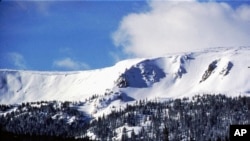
216 70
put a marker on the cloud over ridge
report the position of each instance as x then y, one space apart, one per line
70 64
170 27
17 60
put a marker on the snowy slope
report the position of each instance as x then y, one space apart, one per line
26 86
217 70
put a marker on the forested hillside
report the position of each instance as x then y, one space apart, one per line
205 118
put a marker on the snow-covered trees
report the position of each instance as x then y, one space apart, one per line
45 119
205 118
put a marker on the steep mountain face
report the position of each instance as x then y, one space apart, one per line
217 70
141 75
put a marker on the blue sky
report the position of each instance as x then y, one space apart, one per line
38 35
80 35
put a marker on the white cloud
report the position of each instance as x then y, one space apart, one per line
17 60
70 64
182 26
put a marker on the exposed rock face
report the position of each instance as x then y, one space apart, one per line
225 71
209 70
142 75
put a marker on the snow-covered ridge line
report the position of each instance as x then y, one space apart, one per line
216 70
121 63
41 72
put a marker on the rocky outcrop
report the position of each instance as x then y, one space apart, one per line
209 70
141 75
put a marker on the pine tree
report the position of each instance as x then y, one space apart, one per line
124 134
133 136
165 134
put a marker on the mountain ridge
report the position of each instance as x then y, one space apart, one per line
215 70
